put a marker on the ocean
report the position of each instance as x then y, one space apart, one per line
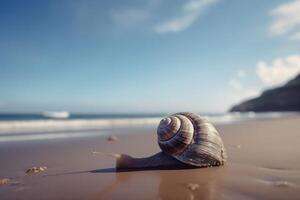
53 125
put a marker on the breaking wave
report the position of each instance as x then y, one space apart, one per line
69 125
36 126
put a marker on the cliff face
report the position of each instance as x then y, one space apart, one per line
285 98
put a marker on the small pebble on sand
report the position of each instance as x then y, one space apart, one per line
192 186
112 138
36 169
3 181
282 184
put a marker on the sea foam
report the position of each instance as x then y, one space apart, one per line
34 126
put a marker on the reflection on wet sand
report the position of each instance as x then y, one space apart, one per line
162 184
208 180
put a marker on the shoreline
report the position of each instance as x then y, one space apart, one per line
38 135
35 126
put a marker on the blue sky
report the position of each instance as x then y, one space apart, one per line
144 55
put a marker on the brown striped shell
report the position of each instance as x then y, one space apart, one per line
191 139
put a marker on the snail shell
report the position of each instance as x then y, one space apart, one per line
191 139
186 140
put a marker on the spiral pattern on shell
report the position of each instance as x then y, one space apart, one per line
191 139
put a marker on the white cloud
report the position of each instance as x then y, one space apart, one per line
287 20
279 70
189 14
235 84
239 92
130 17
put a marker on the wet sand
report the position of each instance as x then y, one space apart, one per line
263 163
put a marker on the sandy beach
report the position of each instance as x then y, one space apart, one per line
120 100
263 163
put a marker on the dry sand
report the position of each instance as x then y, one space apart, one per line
263 163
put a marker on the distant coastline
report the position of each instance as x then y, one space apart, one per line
284 98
